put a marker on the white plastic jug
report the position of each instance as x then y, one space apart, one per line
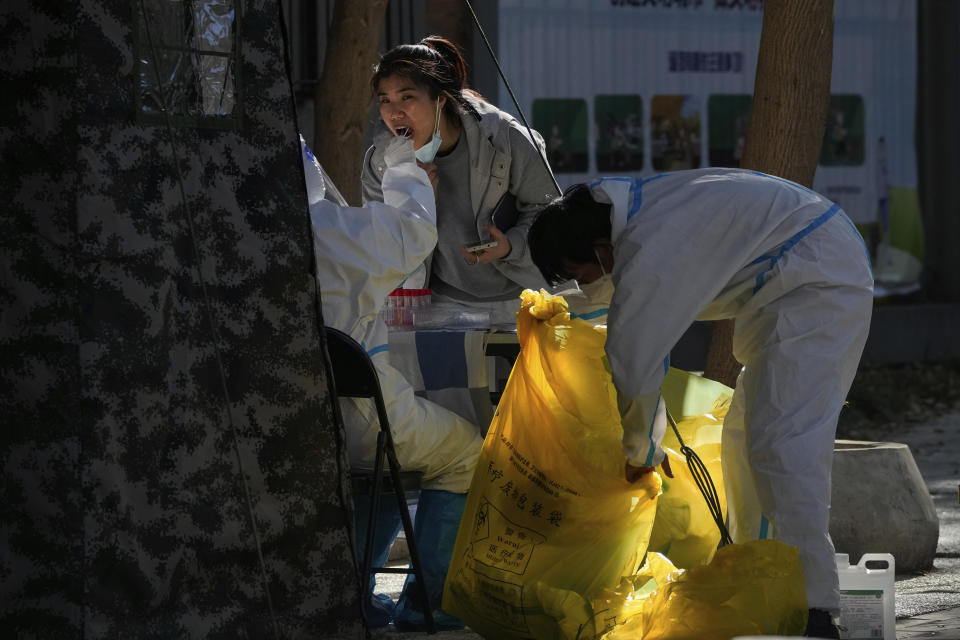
867 597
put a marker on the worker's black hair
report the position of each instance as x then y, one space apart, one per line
565 233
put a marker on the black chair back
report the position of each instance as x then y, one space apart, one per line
353 373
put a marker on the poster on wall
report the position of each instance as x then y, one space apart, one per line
638 87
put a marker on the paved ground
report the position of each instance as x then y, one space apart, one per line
928 605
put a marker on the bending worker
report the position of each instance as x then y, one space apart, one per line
362 254
792 270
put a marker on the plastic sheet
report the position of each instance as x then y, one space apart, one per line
441 315
187 58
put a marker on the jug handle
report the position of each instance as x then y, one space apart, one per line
878 557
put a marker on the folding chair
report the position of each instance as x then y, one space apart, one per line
355 377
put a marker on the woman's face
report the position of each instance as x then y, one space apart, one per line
408 109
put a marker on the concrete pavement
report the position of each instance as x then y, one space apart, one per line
927 605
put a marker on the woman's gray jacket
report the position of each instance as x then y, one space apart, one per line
502 158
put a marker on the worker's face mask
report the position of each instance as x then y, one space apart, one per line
603 271
601 289
428 151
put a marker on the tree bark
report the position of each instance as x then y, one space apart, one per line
938 161
785 135
451 20
342 96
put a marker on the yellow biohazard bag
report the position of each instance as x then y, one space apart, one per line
550 520
684 529
552 534
754 588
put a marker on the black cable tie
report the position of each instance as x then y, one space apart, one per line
704 482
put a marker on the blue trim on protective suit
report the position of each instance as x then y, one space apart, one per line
789 244
764 528
636 189
636 193
636 198
590 315
380 348
653 447
862 243
653 421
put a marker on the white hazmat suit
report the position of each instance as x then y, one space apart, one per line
364 253
792 270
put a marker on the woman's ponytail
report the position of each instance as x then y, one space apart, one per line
451 56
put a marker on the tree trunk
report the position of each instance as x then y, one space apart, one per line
790 98
450 19
938 161
343 94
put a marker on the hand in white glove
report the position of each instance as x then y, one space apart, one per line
399 150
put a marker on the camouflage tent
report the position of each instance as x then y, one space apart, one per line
171 465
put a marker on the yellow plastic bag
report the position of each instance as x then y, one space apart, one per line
550 520
684 530
755 588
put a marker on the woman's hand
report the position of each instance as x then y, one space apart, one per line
487 256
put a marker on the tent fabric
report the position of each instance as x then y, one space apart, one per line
123 509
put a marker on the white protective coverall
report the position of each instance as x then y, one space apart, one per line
362 254
792 270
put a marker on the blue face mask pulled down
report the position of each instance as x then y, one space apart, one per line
428 152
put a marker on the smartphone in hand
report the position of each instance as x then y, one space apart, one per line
480 248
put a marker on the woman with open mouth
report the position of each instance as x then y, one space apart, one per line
490 178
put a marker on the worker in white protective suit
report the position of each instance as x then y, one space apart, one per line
362 254
791 269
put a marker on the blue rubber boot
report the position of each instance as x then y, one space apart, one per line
379 608
436 525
